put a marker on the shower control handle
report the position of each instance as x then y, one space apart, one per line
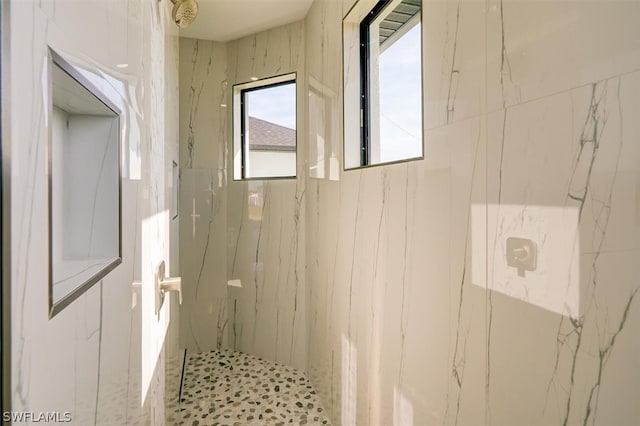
164 284
172 284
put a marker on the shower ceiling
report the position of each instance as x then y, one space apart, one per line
224 20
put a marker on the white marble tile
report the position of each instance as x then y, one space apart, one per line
266 239
204 92
267 54
89 359
536 49
380 268
224 236
325 109
266 254
560 168
203 186
573 367
413 314
324 150
203 260
453 61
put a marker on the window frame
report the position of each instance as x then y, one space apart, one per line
372 11
239 92
365 80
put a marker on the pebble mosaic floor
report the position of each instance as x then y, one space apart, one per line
226 388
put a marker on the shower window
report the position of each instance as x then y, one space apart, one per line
265 128
389 39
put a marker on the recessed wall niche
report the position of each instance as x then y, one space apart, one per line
84 184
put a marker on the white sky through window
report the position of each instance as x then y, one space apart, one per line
274 104
401 98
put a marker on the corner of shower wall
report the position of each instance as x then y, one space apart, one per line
248 232
266 219
203 194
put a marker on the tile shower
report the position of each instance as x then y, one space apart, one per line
387 295
391 285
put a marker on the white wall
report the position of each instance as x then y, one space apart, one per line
106 358
272 163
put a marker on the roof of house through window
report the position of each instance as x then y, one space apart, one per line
267 136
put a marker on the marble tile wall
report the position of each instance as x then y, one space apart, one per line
203 193
266 239
413 313
252 231
391 284
106 358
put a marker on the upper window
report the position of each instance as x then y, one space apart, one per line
264 120
389 83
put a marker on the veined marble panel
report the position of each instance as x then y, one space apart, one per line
266 219
376 299
269 53
248 231
574 157
203 188
324 68
203 235
268 311
414 315
453 60
203 106
535 49
103 358
324 106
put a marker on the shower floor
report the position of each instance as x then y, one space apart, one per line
226 388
